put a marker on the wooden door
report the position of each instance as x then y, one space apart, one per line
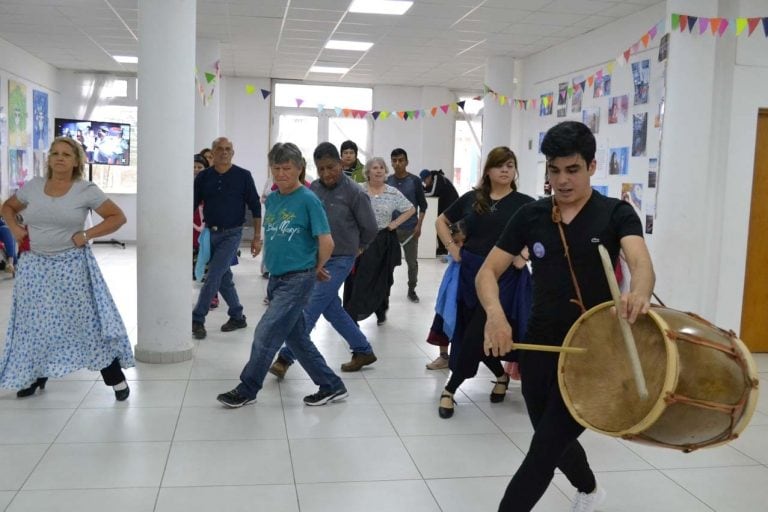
754 308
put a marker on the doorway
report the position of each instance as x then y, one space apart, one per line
754 321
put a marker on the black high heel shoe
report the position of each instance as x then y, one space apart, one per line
499 389
39 383
445 410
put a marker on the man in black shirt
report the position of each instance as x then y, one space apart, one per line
585 219
225 190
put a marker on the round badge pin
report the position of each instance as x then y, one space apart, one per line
538 250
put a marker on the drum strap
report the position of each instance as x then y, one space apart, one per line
558 219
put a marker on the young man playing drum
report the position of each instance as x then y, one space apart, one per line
561 234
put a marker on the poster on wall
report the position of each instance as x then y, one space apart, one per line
653 172
641 74
602 86
639 133
591 118
17 115
633 194
578 95
541 139
562 99
19 168
618 162
40 120
618 109
603 189
39 164
664 48
545 106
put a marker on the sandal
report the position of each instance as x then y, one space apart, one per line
446 405
499 390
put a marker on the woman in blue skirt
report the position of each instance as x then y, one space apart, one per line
62 315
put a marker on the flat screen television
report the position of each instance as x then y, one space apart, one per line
104 142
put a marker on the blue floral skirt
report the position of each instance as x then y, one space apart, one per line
62 319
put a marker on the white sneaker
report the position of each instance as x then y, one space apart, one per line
584 502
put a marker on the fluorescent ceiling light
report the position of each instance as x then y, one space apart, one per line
355 46
126 59
380 6
328 69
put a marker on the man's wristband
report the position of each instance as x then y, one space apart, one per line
85 236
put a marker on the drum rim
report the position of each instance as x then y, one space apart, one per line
670 377
751 405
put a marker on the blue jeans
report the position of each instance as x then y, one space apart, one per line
284 320
325 301
224 246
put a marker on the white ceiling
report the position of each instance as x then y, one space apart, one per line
437 42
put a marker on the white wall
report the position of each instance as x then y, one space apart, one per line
749 93
714 89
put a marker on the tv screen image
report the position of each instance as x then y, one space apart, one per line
104 142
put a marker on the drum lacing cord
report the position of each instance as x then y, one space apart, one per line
558 219
688 448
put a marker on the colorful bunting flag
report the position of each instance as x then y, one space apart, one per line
210 77
375 115
714 25
338 111
299 101
265 93
461 104
444 108
692 22
723 26
675 21
741 24
434 110
646 39
703 24
683 22
765 26
753 23
250 89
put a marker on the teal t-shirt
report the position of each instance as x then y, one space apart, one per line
292 223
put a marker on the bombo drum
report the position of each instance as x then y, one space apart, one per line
702 381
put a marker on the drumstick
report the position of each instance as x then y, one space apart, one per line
626 330
548 348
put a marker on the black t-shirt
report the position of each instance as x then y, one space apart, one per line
602 220
483 231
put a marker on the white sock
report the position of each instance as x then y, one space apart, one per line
120 387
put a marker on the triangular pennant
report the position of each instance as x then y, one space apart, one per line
461 104
683 22
265 93
250 89
570 91
434 111
525 104
636 47
610 68
714 25
765 26
753 23
502 100
645 40
416 114
375 115
599 74
626 55
692 22
675 21
444 108
486 89
338 111
661 27
590 80
409 114
654 30
320 108
533 103
345 112
384 115
401 115
299 101
210 77
454 107
723 26
703 24
741 24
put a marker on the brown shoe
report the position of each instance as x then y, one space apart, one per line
279 368
440 363
358 361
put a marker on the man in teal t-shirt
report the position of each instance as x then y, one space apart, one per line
298 244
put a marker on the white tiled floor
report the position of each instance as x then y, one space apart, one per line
172 447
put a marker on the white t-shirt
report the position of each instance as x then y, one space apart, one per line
51 221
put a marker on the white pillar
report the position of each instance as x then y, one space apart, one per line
166 120
437 133
497 119
208 53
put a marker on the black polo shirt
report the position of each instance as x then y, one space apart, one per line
602 220
225 197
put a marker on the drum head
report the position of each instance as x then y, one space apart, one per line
599 388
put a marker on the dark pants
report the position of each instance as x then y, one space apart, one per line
471 350
113 374
554 443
